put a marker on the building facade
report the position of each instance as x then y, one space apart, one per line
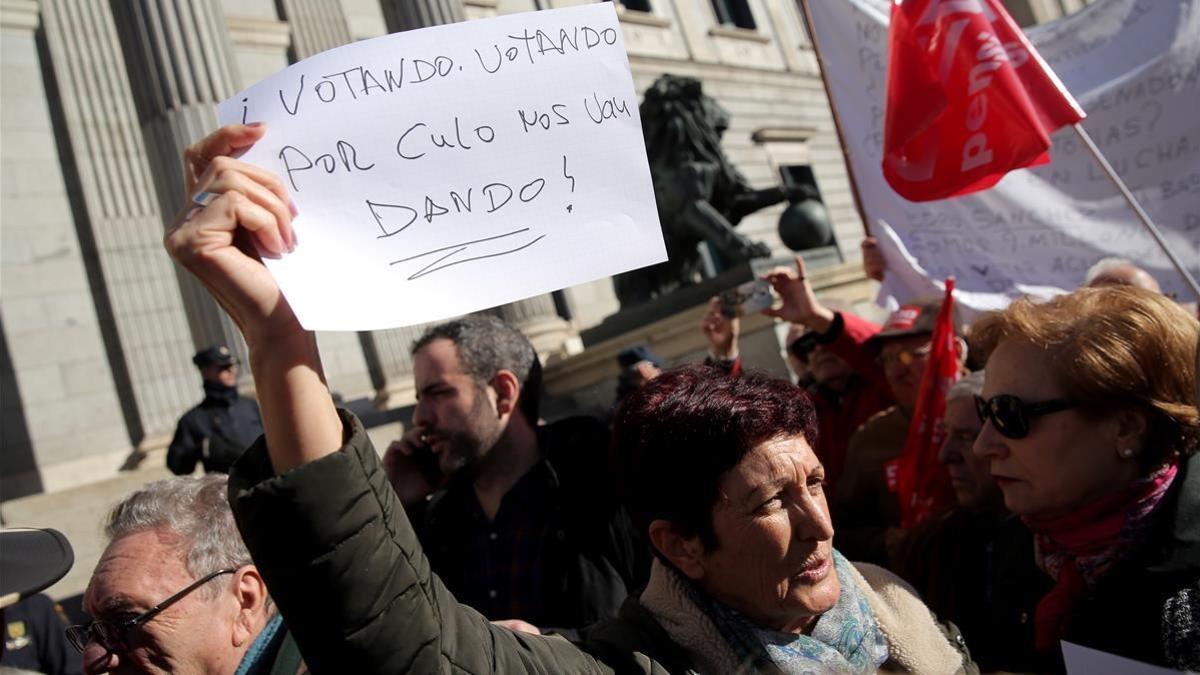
97 326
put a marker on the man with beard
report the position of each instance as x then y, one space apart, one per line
519 520
224 424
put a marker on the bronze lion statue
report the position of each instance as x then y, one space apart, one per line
701 196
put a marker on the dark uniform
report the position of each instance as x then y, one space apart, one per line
217 431
35 638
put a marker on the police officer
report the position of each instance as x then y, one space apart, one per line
222 426
33 625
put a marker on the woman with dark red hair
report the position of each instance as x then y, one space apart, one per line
1091 430
721 474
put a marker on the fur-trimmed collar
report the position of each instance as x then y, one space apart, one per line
916 643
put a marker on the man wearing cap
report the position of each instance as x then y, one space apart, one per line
865 509
33 640
225 423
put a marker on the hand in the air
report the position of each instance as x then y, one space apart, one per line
800 303
874 265
234 211
721 331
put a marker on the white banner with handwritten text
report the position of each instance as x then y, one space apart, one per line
1134 66
455 168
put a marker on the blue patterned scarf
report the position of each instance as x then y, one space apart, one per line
846 639
261 655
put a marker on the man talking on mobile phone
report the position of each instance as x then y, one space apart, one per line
520 520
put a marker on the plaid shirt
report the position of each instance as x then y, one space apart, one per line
495 567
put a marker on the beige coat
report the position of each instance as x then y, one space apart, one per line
917 643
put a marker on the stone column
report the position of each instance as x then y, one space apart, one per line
317 25
118 219
387 351
179 60
403 15
62 421
539 319
390 365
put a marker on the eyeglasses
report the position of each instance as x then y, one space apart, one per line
112 634
906 357
1010 415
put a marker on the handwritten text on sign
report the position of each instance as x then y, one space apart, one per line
455 168
1133 65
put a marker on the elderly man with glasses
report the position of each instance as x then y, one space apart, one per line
175 590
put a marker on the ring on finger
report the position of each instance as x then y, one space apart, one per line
203 199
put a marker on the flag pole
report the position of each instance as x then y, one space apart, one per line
1137 208
837 124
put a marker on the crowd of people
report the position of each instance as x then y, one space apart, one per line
722 521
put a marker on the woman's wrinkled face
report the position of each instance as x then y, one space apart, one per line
774 559
1067 460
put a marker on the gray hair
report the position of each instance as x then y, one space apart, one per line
969 386
1112 266
195 509
1104 266
486 345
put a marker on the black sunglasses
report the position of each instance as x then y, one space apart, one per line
112 634
1010 415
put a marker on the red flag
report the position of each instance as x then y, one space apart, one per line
968 99
922 483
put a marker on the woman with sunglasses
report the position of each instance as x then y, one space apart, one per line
1091 429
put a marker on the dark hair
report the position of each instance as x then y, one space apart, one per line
486 345
676 436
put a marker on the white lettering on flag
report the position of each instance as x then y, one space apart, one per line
1133 65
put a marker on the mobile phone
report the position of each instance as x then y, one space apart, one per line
427 463
747 298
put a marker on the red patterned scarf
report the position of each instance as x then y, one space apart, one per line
1079 548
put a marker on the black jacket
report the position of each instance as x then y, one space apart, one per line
978 571
590 559
215 432
1148 608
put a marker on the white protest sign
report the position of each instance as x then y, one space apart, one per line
454 168
1134 66
1081 660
